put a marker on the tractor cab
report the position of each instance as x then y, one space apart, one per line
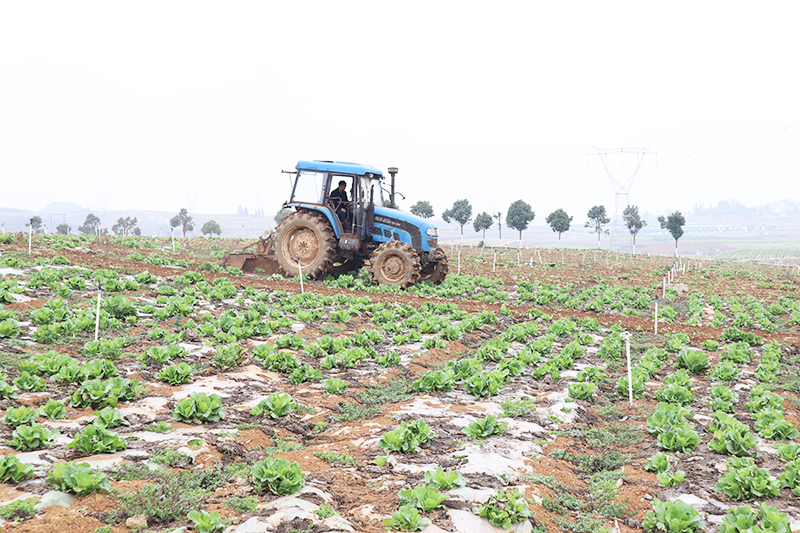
349 211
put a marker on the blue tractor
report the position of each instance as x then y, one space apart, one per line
340 221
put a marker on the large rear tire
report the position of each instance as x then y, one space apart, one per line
308 237
395 263
436 272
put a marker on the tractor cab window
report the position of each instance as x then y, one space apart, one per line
373 191
308 187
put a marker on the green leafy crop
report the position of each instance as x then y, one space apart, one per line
199 406
745 481
32 437
12 470
78 478
407 518
673 517
504 509
279 476
407 438
276 405
485 427
444 480
97 439
423 497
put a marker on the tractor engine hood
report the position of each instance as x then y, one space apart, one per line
423 234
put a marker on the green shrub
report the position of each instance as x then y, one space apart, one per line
18 510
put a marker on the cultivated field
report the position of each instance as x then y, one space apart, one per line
498 400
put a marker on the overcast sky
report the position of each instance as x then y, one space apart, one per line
161 105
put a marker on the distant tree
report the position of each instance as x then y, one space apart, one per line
559 221
633 222
499 217
674 224
483 222
461 212
211 228
91 225
63 229
597 219
35 224
519 216
422 209
126 226
281 214
182 220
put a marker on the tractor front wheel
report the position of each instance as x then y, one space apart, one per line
436 271
395 263
308 239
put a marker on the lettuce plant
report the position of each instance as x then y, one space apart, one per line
199 406
434 380
444 480
304 373
78 478
276 405
407 437
582 390
17 416
745 481
423 497
504 509
206 522
744 519
32 437
179 374
673 517
279 476
334 386
407 518
694 361
97 439
485 427
12 470
109 417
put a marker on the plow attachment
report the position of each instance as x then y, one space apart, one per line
262 259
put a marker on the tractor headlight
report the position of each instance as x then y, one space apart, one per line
431 232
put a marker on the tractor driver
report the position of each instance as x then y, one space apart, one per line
342 206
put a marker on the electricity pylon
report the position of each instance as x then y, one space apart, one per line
621 190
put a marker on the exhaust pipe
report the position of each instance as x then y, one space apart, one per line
392 171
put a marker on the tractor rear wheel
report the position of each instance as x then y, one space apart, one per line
395 263
436 272
309 238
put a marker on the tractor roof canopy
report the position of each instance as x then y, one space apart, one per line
338 166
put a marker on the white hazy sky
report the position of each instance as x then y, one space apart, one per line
148 105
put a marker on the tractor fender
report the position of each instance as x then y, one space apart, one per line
333 220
